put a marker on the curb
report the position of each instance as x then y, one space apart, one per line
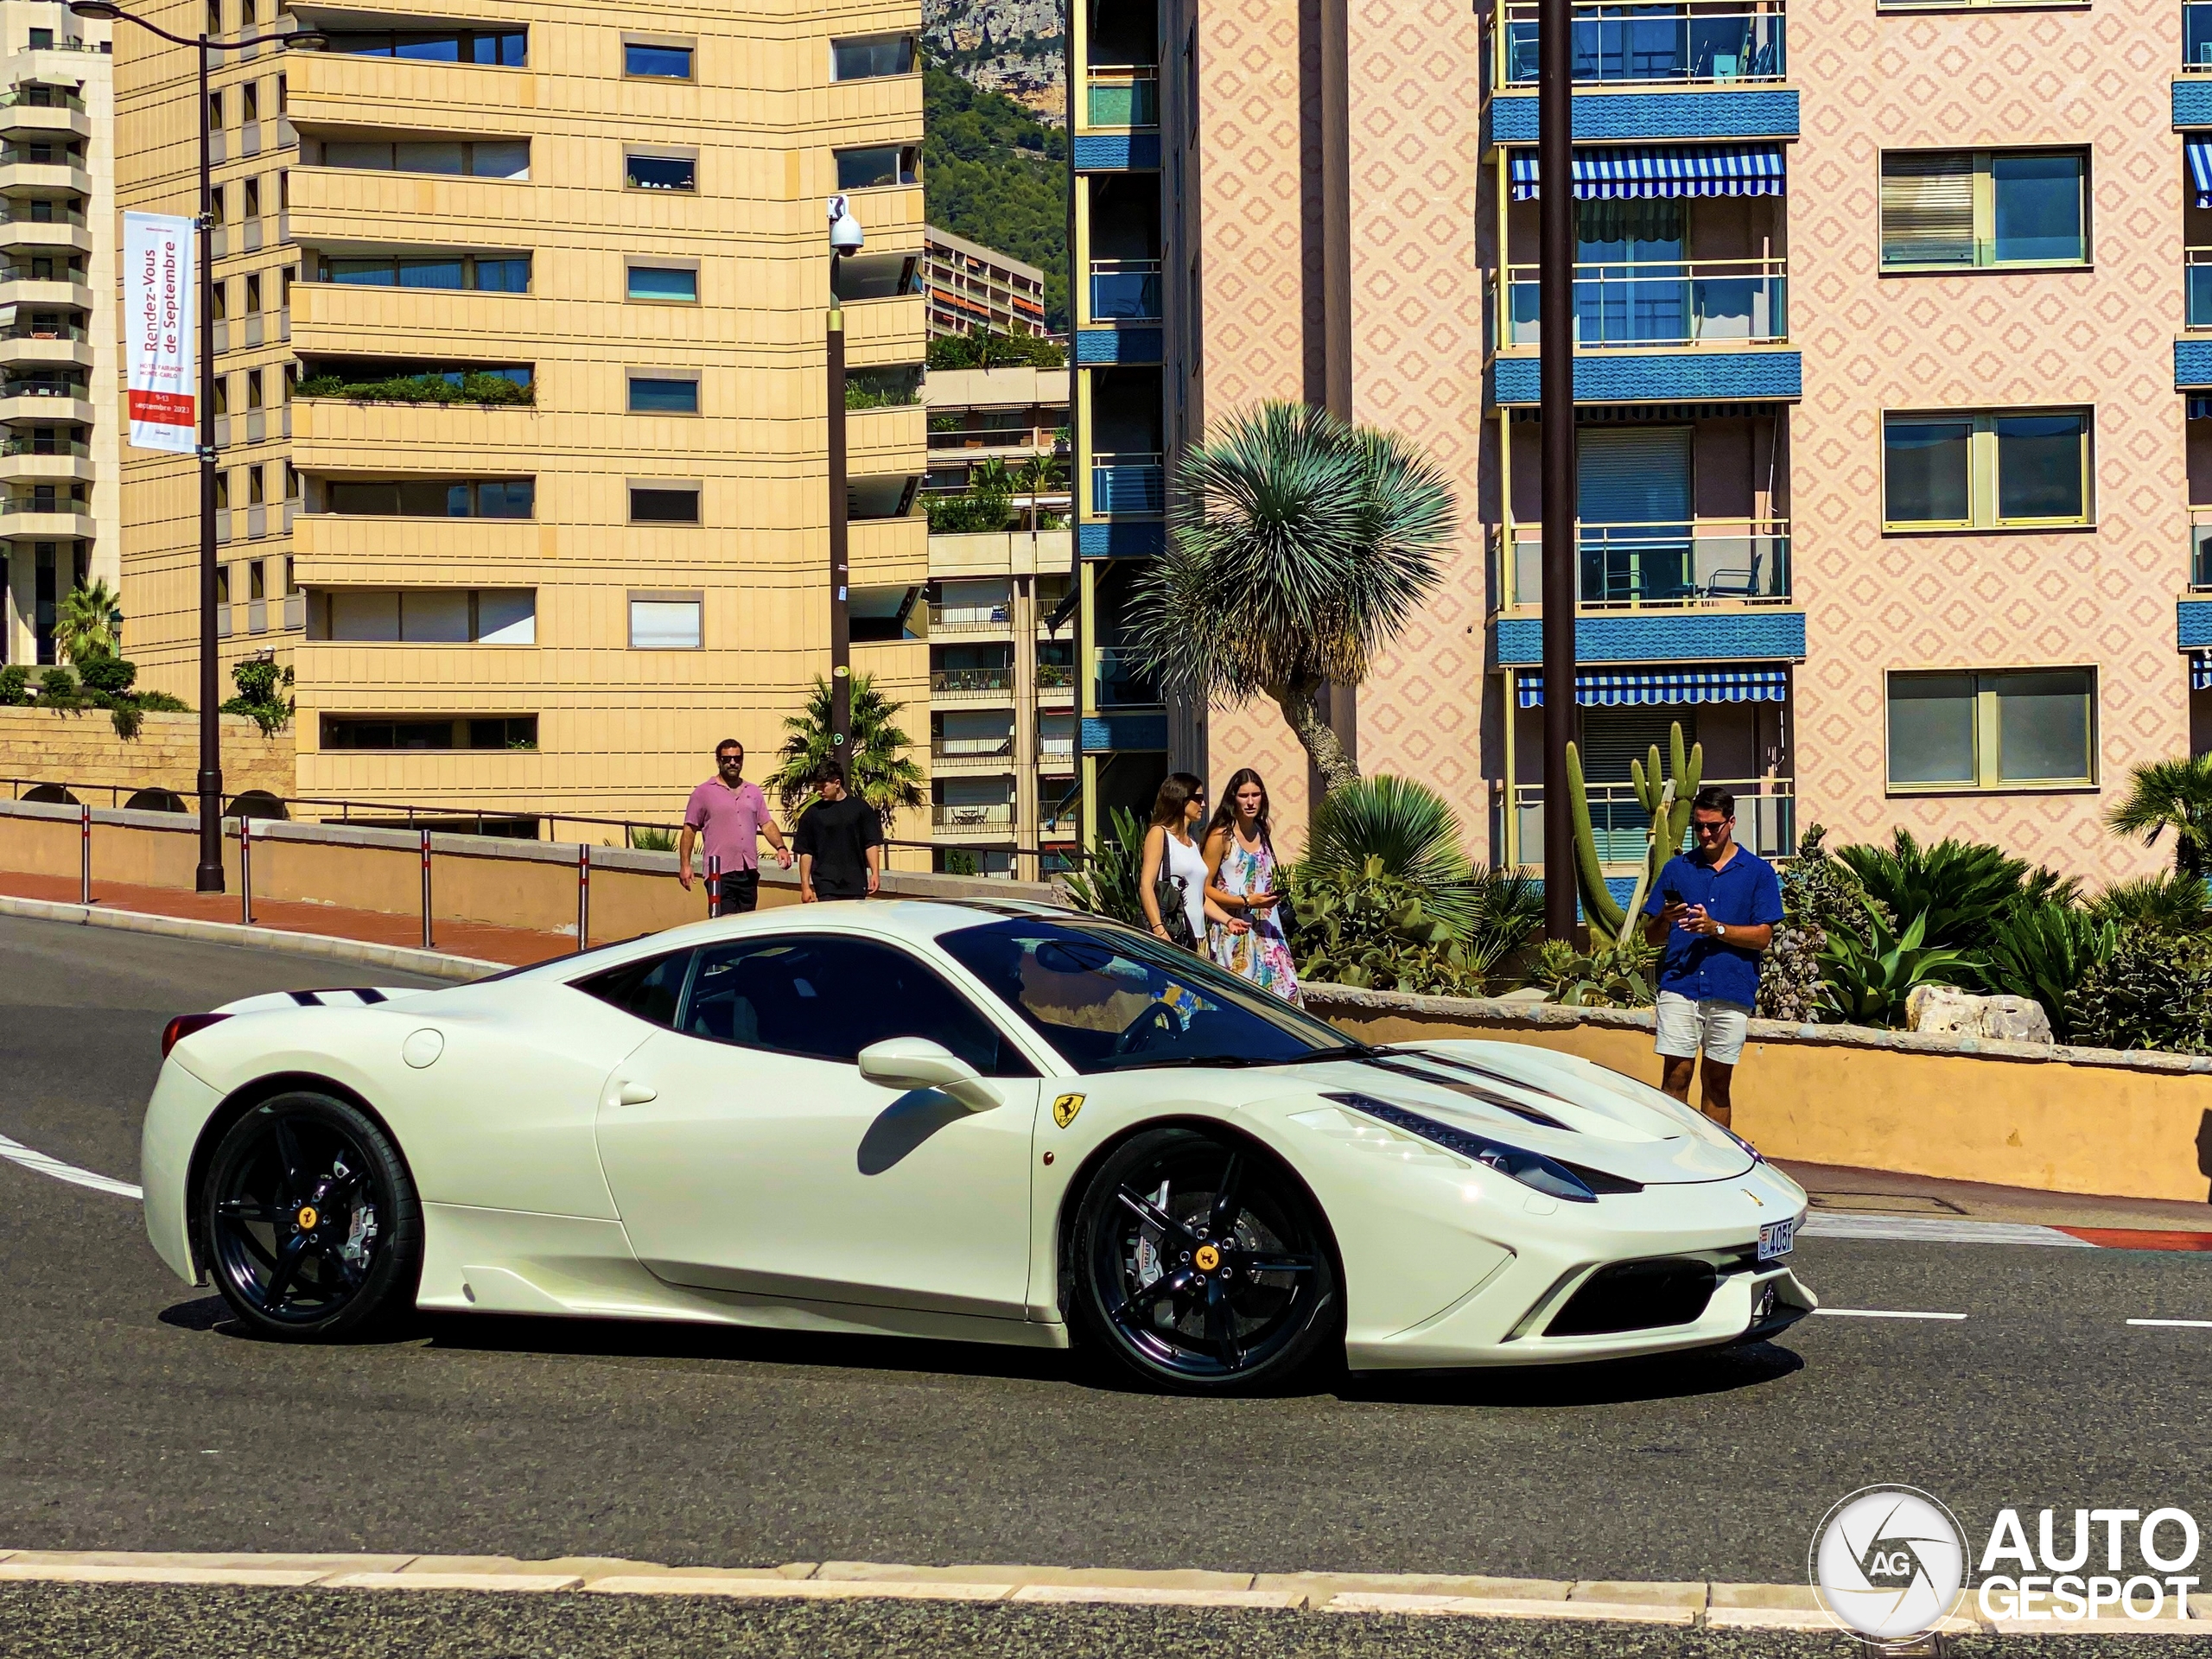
1691 1605
431 964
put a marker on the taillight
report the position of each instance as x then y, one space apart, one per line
183 1025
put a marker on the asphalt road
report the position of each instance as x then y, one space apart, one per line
134 1416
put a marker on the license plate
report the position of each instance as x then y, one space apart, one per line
1775 1238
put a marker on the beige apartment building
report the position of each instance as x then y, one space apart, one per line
973 287
59 402
522 392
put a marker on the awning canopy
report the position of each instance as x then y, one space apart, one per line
2200 408
1682 685
1676 170
2199 146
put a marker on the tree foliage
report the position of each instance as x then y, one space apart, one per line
2170 794
90 623
994 174
877 768
1109 886
2153 991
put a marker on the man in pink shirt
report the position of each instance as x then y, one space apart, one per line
730 815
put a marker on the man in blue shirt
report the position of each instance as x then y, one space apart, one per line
1714 911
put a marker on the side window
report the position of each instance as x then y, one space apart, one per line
650 989
827 997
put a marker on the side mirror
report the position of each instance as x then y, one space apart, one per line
917 1063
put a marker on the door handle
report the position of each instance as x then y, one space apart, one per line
634 1093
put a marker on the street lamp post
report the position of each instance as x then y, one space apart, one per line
1556 397
845 238
208 878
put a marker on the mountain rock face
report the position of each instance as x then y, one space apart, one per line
1012 47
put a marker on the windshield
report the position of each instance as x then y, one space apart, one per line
1109 999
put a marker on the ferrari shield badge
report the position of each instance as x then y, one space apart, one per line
1065 1107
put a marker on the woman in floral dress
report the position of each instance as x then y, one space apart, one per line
1241 884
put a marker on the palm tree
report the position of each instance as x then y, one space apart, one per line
2173 795
1299 546
877 769
90 623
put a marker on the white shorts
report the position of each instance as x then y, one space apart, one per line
1686 1027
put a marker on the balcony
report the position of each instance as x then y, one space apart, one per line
1707 562
2196 35
1128 482
30 515
968 618
972 684
1123 682
2200 550
1121 96
1125 290
2197 284
994 819
1684 302
983 756
1766 818
1663 45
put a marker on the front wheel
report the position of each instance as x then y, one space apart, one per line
1203 1265
309 1222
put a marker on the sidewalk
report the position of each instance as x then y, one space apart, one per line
1874 1192
515 946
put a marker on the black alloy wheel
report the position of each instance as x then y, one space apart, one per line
1202 1265
309 1222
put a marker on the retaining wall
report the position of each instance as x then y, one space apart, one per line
80 747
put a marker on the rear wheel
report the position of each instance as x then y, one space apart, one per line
309 1222
1201 1264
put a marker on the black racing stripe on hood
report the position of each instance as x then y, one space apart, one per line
1404 1068
370 994
307 999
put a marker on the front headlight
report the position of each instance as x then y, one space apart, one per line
1531 1169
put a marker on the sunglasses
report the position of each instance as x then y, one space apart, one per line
1708 828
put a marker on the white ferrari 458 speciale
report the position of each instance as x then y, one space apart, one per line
995 1123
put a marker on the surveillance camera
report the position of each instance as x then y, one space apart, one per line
845 235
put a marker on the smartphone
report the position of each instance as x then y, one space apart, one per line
1672 895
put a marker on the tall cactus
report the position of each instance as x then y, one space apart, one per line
1666 801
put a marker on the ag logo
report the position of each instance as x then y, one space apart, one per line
1065 1107
1889 1562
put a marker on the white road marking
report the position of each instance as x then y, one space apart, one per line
16 1152
1935 1229
1881 1313
2186 1324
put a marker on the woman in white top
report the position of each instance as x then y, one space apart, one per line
1171 851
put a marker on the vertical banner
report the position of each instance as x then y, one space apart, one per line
158 292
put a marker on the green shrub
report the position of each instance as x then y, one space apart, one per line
125 715
108 676
645 839
1958 888
1617 976
981 348
15 686
161 702
1109 886
1865 982
2044 952
1820 896
474 386
2166 903
1369 929
262 687
970 514
57 689
959 861
2153 991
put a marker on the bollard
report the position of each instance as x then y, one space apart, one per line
85 855
714 885
583 896
426 890
245 871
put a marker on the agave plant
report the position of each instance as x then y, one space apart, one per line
1109 886
1610 977
1958 889
1867 981
2044 952
1367 928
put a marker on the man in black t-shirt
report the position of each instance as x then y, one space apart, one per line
839 842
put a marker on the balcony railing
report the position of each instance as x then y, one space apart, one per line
1122 98
1124 291
978 815
2197 284
1677 302
1766 819
41 98
38 155
2200 550
1625 44
45 446
1129 483
37 503
1055 676
1122 680
971 679
24 273
968 616
971 748
1702 562
1024 437
44 331
20 212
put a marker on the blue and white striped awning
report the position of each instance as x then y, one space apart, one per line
1665 170
1684 685
2200 670
2199 147
2200 408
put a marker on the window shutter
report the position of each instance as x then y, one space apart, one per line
1928 208
1633 474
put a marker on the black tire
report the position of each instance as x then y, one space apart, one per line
309 1222
1229 1286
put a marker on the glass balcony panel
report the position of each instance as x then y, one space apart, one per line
1122 100
1660 303
1129 483
2196 33
2198 269
1705 562
1122 681
1124 291
2200 549
1678 42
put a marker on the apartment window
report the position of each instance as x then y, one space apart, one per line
654 395
866 59
665 621
246 11
257 578
222 491
42 39
219 301
222 571
253 198
216 203
253 388
2004 469
505 48
488 158
222 394
498 273
283 95
864 169
649 62
430 732
249 104
292 581
285 188
2001 729
670 284
664 503
214 111
1960 209
661 172
485 616
255 496
253 295
433 498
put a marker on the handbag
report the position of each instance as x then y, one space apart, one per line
1168 892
